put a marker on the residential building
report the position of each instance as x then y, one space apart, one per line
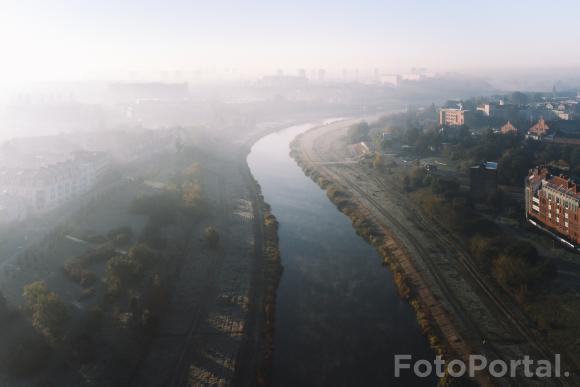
508 128
559 132
553 204
562 114
500 110
483 180
50 186
539 130
452 117
486 109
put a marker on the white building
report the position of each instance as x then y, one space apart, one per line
51 186
12 208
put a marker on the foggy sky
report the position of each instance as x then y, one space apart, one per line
83 39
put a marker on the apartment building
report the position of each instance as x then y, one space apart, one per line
42 189
553 204
452 117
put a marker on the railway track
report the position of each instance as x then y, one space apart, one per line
446 244
440 283
513 315
179 374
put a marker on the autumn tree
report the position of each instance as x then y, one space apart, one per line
48 312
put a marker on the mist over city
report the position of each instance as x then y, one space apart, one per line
369 193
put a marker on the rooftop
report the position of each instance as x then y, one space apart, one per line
490 165
561 183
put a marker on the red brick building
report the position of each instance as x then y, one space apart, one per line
509 128
539 130
553 204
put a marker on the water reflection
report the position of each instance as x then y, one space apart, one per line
339 319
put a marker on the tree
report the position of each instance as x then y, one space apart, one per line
126 271
514 164
519 267
484 249
359 132
48 311
511 271
122 270
34 292
212 237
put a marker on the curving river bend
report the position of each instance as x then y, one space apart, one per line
339 319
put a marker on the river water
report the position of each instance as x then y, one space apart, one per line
339 319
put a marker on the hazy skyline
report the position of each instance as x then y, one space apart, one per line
69 40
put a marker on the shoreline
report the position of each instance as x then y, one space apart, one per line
435 322
253 364
254 360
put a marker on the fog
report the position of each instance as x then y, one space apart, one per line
138 249
75 73
66 40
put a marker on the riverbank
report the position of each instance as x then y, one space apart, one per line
434 322
457 311
333 282
254 360
219 326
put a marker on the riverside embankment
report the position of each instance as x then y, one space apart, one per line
458 310
338 319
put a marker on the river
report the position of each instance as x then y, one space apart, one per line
339 319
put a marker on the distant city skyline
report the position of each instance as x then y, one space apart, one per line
65 40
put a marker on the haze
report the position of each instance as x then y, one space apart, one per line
289 193
74 40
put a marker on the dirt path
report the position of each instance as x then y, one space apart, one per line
469 314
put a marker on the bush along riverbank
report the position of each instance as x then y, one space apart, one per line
410 284
254 362
272 275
